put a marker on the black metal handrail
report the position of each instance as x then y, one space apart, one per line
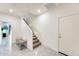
28 25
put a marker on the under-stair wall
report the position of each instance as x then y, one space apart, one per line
26 34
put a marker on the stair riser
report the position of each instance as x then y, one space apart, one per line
36 46
36 42
35 38
34 35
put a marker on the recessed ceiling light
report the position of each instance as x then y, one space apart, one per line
10 10
38 11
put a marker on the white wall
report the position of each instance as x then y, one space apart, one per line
14 21
26 34
46 25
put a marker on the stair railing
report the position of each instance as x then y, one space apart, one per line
28 25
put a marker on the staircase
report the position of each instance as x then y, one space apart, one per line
36 41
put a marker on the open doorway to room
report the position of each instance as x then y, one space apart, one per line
5 38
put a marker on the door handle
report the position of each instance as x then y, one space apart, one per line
59 35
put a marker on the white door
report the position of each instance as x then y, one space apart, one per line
69 30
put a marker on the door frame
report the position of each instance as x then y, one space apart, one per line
59 34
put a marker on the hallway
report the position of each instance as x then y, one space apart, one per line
41 29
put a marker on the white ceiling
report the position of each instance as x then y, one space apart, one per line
22 9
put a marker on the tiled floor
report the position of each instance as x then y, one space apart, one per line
40 51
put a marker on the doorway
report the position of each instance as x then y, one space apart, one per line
5 37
